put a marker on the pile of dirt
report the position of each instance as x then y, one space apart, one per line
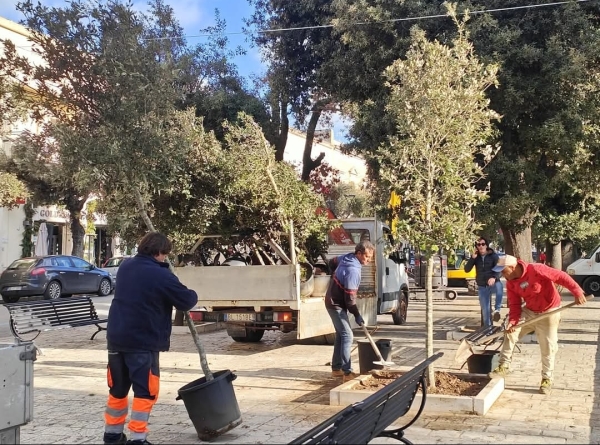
445 383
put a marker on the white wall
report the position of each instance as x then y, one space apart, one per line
352 168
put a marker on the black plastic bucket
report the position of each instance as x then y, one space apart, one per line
366 354
212 406
483 363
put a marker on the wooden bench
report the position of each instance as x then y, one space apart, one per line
363 421
47 315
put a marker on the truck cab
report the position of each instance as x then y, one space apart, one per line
386 277
586 272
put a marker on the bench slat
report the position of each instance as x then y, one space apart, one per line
45 315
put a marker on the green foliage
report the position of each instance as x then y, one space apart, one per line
11 189
549 95
442 125
27 245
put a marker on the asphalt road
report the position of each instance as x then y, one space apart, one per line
102 305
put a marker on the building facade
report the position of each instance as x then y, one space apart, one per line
13 222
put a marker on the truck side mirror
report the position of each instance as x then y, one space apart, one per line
597 257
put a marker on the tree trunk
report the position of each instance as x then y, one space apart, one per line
554 255
429 316
284 127
141 207
308 163
75 205
569 253
518 242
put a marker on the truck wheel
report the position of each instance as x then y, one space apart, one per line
251 336
399 316
592 286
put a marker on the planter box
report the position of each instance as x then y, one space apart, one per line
344 395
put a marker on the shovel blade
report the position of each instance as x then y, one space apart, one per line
464 351
383 363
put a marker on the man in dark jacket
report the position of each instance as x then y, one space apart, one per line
139 327
485 259
341 299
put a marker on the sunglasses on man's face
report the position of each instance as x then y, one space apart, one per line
480 244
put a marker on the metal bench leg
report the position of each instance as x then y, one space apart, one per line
100 328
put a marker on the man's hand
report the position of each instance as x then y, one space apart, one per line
491 281
510 328
580 300
359 320
474 255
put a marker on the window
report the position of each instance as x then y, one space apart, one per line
62 261
342 236
22 264
80 264
113 262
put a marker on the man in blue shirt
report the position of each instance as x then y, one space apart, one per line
341 299
139 327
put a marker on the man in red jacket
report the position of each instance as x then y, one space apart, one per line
533 284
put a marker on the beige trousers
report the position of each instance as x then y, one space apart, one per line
546 331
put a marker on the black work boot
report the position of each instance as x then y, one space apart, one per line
138 442
115 438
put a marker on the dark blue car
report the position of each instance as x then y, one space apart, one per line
53 276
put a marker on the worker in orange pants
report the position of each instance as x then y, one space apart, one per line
139 328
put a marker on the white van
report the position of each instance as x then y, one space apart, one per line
586 271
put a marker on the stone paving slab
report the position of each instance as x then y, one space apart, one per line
283 385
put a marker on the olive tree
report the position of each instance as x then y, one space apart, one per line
435 157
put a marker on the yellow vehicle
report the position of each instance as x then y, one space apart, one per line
457 277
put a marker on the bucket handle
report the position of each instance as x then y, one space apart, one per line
231 377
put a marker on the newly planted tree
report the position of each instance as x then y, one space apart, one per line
435 157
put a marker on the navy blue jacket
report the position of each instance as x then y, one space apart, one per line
483 267
140 315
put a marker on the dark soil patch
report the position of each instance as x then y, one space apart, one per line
445 383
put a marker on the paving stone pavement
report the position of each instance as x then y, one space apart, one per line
283 385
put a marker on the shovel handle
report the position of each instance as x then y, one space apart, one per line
375 348
534 319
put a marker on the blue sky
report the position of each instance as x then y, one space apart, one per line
193 15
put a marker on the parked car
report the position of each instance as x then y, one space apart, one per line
112 265
53 276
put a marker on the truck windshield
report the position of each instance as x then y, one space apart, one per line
592 252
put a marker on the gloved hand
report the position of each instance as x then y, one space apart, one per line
359 320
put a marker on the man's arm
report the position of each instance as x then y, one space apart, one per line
351 291
470 264
180 296
563 279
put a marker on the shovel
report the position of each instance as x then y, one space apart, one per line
381 361
465 349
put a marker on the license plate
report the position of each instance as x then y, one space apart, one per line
240 317
14 288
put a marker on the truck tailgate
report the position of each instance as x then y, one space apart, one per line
243 286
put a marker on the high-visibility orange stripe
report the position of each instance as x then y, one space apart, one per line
116 403
109 379
153 385
143 405
138 426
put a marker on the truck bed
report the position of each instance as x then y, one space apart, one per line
243 286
